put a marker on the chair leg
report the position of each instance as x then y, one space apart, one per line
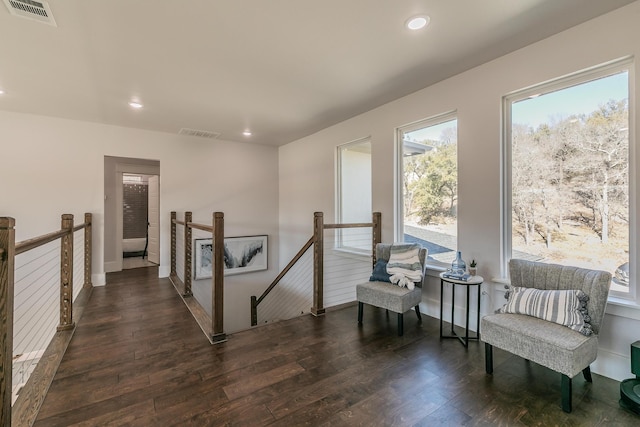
566 393
586 372
488 358
400 324
418 313
360 313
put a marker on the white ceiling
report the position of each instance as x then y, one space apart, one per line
282 68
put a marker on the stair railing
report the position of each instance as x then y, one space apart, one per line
317 241
32 394
212 326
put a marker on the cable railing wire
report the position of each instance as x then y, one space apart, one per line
293 296
36 289
43 275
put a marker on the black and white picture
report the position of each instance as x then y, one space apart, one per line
241 255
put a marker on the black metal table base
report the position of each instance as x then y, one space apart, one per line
464 339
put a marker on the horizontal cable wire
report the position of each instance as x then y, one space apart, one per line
180 252
78 263
201 288
293 296
347 262
36 308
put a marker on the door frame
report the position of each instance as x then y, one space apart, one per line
113 205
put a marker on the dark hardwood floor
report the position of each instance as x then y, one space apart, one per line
139 359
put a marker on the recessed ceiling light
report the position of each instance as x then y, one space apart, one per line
417 22
247 133
1 92
135 104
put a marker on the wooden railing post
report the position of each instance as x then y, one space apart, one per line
173 244
87 250
376 234
187 254
7 259
254 310
318 264
217 277
66 274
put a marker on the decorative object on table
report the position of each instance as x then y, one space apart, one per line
630 388
472 267
458 266
241 255
462 277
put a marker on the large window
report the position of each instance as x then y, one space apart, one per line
428 186
568 167
354 194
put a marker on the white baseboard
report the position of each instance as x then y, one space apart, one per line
111 266
612 365
164 271
99 279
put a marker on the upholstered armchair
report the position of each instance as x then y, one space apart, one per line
380 292
552 317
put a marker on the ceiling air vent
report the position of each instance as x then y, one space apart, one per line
30 9
199 133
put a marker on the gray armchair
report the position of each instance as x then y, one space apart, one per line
388 295
549 344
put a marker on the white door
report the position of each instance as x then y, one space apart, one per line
154 219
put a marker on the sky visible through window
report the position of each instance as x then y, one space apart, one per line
432 133
581 99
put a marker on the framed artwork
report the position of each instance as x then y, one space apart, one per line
241 255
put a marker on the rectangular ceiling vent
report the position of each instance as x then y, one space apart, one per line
31 9
199 133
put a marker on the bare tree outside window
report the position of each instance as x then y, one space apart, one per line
570 176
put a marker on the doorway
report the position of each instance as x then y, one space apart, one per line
131 206
140 203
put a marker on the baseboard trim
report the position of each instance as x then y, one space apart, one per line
99 279
612 365
164 271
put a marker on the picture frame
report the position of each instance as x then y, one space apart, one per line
243 254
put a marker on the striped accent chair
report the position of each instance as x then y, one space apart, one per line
389 296
546 335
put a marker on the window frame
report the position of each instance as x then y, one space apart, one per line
398 207
339 244
574 79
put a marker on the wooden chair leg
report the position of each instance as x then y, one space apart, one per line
586 372
418 313
360 313
400 324
566 393
488 358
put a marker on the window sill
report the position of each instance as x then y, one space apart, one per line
617 306
434 269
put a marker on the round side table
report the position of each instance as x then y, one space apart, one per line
473 281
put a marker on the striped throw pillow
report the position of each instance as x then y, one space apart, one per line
565 307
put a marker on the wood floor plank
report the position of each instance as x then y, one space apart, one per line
138 358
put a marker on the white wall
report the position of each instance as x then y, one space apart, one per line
307 170
53 166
